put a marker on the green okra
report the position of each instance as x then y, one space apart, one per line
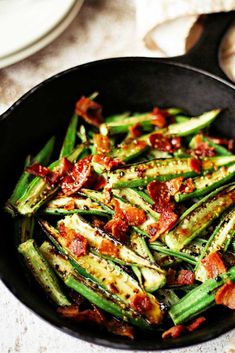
196 220
218 241
140 174
206 183
193 125
43 274
95 294
199 299
42 157
106 274
70 137
39 191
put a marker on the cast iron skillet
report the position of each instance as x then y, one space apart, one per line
135 84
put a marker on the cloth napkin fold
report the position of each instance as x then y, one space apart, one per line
170 26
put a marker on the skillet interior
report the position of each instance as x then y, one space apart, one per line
135 84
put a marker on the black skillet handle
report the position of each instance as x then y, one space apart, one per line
205 54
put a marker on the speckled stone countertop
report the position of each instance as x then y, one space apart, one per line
97 32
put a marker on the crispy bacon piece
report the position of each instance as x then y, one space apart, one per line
195 165
196 323
203 150
75 241
118 225
44 172
228 143
90 111
214 265
166 221
96 316
174 185
135 130
79 245
134 216
171 276
187 186
159 117
101 143
226 295
165 143
161 193
185 277
141 303
108 162
107 247
120 328
78 176
89 315
177 330
174 332
118 228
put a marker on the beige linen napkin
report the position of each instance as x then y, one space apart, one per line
166 25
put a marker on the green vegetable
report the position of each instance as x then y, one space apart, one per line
70 137
196 220
88 289
40 269
199 299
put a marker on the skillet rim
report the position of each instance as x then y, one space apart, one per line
134 345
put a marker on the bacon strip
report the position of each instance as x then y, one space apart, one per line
75 241
226 295
177 330
214 265
90 111
108 162
102 143
165 143
119 225
96 316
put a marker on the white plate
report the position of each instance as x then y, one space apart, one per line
26 26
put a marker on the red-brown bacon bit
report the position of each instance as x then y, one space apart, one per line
226 295
120 328
108 162
174 332
229 144
118 225
187 186
78 176
75 241
214 265
135 130
102 143
123 219
177 330
90 111
141 303
134 216
165 143
195 165
96 316
185 277
171 276
107 247
161 193
38 170
196 323
159 117
79 245
202 148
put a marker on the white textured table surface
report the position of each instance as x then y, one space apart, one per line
102 29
